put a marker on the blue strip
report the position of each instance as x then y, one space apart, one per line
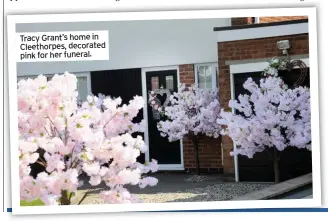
257 210
263 210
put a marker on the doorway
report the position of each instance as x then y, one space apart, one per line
168 154
123 83
294 162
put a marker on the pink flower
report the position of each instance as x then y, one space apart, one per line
95 180
50 199
148 181
75 138
92 169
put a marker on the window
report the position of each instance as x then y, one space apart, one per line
83 83
154 83
169 82
205 75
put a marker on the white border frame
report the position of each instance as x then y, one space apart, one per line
243 69
12 73
213 65
178 167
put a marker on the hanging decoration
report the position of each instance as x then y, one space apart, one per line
278 64
158 106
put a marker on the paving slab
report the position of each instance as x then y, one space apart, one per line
277 189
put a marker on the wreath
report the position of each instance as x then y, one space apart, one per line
155 102
276 64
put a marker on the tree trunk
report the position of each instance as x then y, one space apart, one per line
195 141
276 166
64 200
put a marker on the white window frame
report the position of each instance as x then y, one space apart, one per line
88 75
215 71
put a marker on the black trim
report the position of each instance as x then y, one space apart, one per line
259 25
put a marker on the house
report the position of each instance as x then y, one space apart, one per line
243 51
145 55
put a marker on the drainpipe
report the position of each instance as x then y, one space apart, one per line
232 90
235 156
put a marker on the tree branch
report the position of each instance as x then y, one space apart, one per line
84 196
54 126
42 164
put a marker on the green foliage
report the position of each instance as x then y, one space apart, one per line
37 202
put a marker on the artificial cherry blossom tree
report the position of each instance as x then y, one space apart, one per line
270 116
192 111
69 139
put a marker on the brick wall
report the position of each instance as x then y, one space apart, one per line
250 20
187 74
241 21
280 18
209 148
249 49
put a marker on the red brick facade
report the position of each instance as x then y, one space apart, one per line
249 49
281 18
250 20
209 149
241 21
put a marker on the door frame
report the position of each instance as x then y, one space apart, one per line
242 69
145 113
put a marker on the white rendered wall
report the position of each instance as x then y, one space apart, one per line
136 44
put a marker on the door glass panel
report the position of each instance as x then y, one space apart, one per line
154 83
155 86
169 82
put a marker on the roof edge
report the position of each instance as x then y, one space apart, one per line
259 25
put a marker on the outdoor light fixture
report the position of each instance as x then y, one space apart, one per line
284 46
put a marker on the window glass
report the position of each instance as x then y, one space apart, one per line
204 76
154 83
82 88
169 82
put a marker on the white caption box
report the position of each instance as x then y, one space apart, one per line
62 46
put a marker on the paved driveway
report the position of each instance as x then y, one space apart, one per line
181 187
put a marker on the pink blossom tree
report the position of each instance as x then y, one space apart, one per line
191 111
69 139
271 116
